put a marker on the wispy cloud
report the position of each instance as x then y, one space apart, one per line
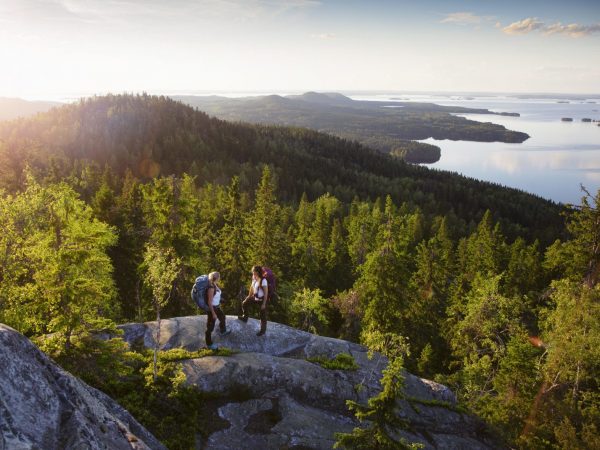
533 24
524 26
108 10
573 29
465 18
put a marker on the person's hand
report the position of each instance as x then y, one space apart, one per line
263 307
214 316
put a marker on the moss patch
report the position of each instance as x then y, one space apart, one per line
342 361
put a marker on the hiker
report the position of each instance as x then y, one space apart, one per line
213 300
257 295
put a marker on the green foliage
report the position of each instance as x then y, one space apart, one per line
309 310
264 229
173 412
156 136
342 361
161 268
375 126
55 271
381 410
233 244
579 257
362 244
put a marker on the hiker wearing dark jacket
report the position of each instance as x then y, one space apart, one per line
213 300
257 296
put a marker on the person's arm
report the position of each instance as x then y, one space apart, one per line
210 293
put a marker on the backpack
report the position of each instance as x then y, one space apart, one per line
201 285
268 275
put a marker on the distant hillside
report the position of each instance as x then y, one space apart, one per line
386 126
11 108
154 136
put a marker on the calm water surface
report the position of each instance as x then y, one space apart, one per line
554 162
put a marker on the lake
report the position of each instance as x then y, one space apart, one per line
552 163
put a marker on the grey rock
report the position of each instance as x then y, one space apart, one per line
44 407
289 424
258 375
278 399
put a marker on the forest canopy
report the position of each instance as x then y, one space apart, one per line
495 292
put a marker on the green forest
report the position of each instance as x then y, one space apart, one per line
493 291
391 127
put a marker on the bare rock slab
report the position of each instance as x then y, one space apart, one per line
44 407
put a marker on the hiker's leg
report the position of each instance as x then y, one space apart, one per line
263 319
210 326
245 305
222 318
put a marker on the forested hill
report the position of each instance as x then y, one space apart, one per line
153 136
11 108
439 274
391 127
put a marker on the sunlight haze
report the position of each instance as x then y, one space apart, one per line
53 47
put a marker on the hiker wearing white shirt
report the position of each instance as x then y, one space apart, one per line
213 300
258 295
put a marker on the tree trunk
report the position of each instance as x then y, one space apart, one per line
157 343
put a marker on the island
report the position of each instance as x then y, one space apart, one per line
392 127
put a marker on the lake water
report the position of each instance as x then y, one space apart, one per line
553 163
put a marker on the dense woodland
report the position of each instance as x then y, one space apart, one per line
391 127
110 208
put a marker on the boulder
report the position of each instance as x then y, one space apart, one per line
44 407
273 397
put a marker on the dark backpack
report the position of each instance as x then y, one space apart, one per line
268 275
199 292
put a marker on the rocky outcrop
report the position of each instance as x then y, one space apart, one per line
43 407
273 397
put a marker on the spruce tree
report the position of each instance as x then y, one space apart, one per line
233 243
266 242
56 274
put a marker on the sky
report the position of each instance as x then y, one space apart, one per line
50 48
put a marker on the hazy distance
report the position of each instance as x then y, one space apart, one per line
94 46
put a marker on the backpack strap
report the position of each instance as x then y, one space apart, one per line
210 286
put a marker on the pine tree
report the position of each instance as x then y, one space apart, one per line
579 257
362 227
233 243
265 235
383 283
338 273
128 254
430 286
303 252
384 423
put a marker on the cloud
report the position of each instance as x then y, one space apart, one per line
323 36
524 26
464 18
574 30
532 24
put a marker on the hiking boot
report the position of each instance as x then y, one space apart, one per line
261 333
226 332
213 347
243 318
